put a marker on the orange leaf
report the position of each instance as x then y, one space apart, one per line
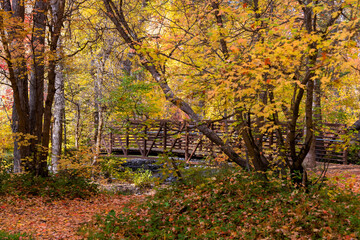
267 61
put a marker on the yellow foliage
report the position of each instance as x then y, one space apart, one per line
79 161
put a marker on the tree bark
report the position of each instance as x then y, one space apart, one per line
37 85
59 109
14 51
310 159
99 115
14 126
78 126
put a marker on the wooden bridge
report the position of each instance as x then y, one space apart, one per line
136 138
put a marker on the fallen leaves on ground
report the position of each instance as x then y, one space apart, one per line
59 219
345 176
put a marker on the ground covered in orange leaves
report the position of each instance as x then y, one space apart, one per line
59 219
346 176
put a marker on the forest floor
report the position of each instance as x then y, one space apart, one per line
344 175
61 219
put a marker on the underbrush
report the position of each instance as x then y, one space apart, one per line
10 236
63 185
234 205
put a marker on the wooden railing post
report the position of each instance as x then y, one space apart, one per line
345 156
186 141
111 142
211 143
145 142
127 139
165 136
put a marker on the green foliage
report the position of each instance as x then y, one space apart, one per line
143 179
236 205
66 184
6 161
111 168
353 154
16 236
78 162
133 98
110 227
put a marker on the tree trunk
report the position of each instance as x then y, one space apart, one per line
98 136
98 117
37 86
77 128
310 159
59 109
14 126
14 51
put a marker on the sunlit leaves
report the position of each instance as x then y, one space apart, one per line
134 98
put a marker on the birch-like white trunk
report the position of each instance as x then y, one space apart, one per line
96 74
59 108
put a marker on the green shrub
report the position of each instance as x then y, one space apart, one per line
66 184
354 153
6 161
111 167
16 236
143 179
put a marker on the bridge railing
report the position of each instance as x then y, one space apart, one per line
146 138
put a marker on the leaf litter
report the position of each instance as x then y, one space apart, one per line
61 219
57 219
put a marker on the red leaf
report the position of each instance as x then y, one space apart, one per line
267 61
323 55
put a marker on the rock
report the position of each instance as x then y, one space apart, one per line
144 164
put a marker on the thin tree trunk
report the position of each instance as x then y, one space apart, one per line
59 109
98 136
99 108
65 135
14 126
98 64
77 128
310 160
